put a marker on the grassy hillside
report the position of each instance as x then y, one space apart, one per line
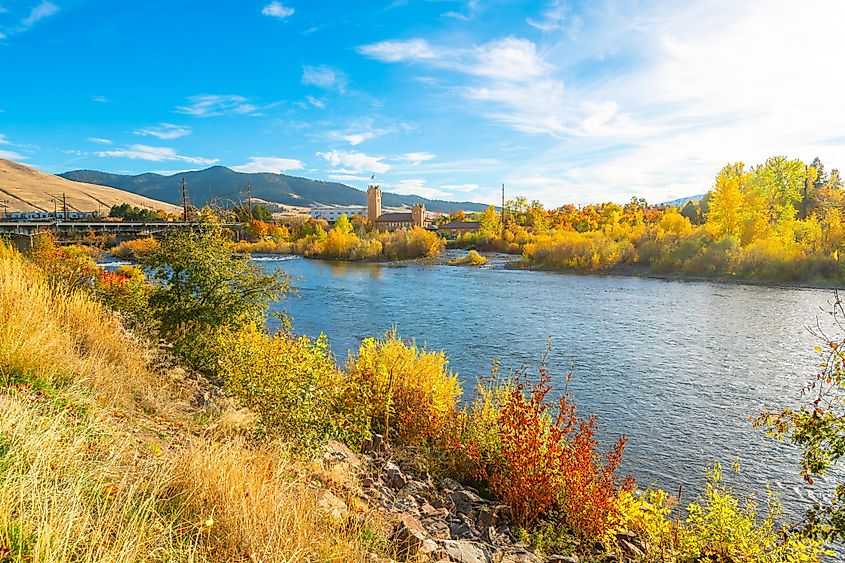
110 453
24 188
203 185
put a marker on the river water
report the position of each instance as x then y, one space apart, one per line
676 366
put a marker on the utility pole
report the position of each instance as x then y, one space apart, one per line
64 205
503 210
249 197
184 201
5 204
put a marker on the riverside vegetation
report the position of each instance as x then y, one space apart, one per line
781 220
112 449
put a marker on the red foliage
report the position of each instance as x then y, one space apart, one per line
549 462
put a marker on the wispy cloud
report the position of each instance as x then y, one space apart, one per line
165 131
4 140
359 131
100 99
401 50
155 154
316 102
351 162
212 105
416 158
472 8
277 165
553 16
277 10
348 178
40 11
100 140
11 155
324 77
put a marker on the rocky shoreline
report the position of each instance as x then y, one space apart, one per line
443 521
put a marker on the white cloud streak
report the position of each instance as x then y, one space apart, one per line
165 131
276 165
354 163
324 77
277 10
212 105
155 154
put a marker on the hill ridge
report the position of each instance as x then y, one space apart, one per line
217 182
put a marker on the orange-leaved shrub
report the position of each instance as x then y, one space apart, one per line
135 249
540 458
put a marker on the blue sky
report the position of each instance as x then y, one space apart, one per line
562 101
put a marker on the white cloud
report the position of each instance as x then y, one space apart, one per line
351 162
324 77
348 178
316 102
460 187
155 154
416 186
4 140
553 16
396 51
165 131
11 155
211 105
100 140
472 7
100 99
43 10
273 164
415 158
277 10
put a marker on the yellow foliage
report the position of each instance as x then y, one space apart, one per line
402 390
134 249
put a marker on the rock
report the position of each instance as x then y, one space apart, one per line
332 505
630 549
409 536
451 484
486 518
465 500
437 528
429 550
336 452
562 559
461 530
466 551
516 555
395 478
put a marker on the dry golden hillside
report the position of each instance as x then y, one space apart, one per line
26 189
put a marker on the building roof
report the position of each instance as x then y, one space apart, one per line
461 225
393 217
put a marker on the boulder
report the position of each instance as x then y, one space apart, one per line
516 555
335 452
437 528
331 505
394 476
459 551
409 536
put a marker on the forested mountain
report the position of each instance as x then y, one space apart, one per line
224 183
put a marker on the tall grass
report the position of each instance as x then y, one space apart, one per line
104 459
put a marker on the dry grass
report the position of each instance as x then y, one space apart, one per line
32 190
104 459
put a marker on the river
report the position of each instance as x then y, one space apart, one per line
676 366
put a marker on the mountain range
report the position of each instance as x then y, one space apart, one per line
222 184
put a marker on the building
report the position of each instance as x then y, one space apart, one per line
392 221
458 228
332 214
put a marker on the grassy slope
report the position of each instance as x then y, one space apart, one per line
109 454
27 189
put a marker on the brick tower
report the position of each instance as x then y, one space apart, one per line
373 203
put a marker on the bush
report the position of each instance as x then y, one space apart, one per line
135 250
721 528
289 381
402 391
471 258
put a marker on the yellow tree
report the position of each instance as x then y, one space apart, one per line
727 201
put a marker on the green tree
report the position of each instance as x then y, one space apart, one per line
780 184
690 211
202 287
259 213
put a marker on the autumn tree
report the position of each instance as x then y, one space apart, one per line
780 183
727 200
489 222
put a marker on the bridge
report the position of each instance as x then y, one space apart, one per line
22 232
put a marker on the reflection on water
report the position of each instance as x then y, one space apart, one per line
679 367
